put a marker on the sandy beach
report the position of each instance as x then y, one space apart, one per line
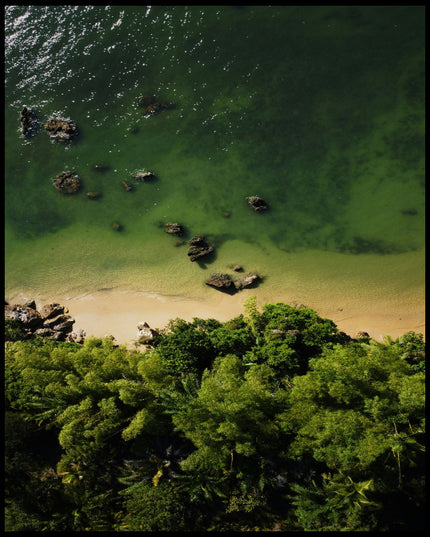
117 312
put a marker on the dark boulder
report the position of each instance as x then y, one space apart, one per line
67 182
198 248
220 281
29 123
257 203
62 130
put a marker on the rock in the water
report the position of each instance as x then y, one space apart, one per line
198 248
93 195
246 281
61 130
28 317
29 122
257 203
220 281
143 176
48 311
67 182
145 333
151 106
173 228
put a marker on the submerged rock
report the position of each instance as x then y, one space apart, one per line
151 105
29 122
61 130
198 248
93 195
67 182
101 167
127 186
257 203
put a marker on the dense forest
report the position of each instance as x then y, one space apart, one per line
274 420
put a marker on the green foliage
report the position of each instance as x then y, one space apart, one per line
185 347
274 419
150 508
13 330
288 337
338 504
351 407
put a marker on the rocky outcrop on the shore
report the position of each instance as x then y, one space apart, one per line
67 182
257 203
51 321
29 122
145 334
199 248
62 130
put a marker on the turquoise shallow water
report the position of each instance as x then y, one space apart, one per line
320 110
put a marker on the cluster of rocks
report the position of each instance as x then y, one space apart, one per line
62 130
51 321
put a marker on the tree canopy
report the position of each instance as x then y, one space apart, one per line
271 420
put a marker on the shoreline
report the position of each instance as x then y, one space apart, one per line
117 312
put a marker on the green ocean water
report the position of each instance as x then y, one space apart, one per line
319 110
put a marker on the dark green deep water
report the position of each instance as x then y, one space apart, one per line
320 110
